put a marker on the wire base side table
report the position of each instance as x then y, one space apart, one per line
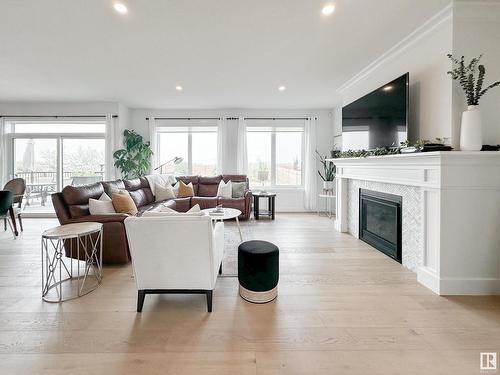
329 204
63 278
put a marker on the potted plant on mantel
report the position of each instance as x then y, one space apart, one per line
329 170
471 79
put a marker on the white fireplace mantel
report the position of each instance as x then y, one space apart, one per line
460 208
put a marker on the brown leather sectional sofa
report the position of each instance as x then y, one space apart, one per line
71 206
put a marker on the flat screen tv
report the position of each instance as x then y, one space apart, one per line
379 119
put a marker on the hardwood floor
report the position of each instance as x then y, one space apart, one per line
343 308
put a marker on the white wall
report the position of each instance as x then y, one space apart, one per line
58 108
124 114
287 200
423 55
476 30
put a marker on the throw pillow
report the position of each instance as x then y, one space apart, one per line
105 197
176 189
163 192
167 209
101 206
170 214
169 179
185 191
225 189
195 208
123 203
239 189
160 179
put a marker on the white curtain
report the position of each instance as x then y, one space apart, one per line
310 170
3 154
242 153
222 145
111 146
152 143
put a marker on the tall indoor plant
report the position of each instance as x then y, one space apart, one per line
135 159
471 78
328 174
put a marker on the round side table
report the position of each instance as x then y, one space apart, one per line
229 213
61 279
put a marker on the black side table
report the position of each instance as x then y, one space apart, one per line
271 199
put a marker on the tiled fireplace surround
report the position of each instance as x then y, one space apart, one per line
411 216
450 214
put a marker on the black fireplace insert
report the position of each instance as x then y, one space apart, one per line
380 221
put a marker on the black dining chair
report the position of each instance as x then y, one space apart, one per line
6 200
18 187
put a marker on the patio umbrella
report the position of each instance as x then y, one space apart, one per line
29 156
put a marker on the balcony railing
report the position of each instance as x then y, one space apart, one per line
69 178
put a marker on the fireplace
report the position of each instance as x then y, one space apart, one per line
380 221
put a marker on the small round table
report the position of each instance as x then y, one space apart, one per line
229 213
329 204
271 202
58 271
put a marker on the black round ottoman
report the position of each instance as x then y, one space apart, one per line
258 271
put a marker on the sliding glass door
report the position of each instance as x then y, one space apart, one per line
82 161
49 156
35 160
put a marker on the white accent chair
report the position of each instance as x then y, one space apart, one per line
175 254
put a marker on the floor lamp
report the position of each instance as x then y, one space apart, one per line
175 161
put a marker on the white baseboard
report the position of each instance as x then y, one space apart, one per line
458 286
39 215
429 279
472 286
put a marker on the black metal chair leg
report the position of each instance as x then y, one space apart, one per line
209 300
20 222
141 294
220 269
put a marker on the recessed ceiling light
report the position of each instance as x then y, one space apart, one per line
328 9
387 88
178 88
282 88
120 8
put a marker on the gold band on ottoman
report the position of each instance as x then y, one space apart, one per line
258 297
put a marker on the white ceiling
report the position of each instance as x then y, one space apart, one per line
225 53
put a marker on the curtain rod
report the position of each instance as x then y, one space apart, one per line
184 118
230 118
277 118
57 116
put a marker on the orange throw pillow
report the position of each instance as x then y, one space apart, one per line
123 203
185 190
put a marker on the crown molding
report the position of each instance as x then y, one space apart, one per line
426 28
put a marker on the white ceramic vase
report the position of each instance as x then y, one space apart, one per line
471 131
328 185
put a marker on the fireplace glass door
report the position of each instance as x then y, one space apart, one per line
380 221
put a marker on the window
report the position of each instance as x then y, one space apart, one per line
195 143
52 154
59 127
275 153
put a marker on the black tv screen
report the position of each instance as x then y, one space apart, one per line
379 119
